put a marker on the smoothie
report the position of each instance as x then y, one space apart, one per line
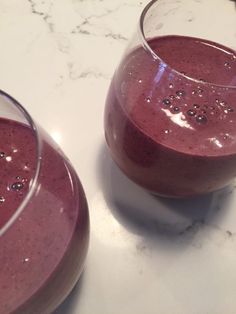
42 253
170 121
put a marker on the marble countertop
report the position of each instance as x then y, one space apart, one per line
146 255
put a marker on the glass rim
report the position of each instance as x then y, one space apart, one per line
34 179
147 47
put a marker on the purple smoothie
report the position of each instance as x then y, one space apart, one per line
174 135
42 253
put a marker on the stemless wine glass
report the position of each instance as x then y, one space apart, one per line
44 223
171 109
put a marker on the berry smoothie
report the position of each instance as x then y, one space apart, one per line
42 253
170 122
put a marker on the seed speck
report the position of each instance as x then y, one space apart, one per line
17 186
201 119
191 112
227 65
176 109
2 199
200 92
166 102
180 93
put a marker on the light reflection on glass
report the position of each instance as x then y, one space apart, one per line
178 118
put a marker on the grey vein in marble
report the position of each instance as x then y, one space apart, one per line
116 36
92 73
45 15
88 21
80 29
171 11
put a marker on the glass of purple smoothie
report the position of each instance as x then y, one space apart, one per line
170 116
44 222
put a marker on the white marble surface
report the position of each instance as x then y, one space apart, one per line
146 255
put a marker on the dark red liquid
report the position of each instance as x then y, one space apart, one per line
42 253
173 135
